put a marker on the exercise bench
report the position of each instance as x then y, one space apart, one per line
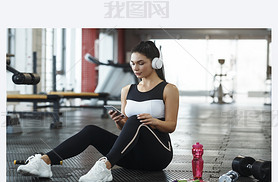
84 95
35 98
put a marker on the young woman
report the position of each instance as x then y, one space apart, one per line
150 111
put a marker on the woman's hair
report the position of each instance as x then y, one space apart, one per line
148 49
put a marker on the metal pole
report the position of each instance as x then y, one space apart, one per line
54 74
9 40
268 71
35 70
35 104
63 56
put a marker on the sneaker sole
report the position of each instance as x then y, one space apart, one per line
100 181
110 178
27 173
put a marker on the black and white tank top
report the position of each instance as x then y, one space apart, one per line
150 102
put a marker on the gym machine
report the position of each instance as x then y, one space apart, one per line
126 66
218 95
23 79
120 75
12 119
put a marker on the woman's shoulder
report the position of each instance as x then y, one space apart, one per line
124 92
170 89
171 86
125 89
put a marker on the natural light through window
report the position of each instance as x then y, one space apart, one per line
192 64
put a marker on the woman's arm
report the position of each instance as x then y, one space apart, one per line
171 99
119 120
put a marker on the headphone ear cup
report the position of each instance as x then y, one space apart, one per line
157 63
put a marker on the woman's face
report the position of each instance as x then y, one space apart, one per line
141 65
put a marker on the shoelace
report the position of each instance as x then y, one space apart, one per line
30 158
104 159
97 169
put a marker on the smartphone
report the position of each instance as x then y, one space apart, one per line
108 107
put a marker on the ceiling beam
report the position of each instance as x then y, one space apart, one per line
189 33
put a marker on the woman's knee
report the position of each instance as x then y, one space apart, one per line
90 129
133 119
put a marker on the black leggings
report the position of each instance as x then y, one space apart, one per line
137 147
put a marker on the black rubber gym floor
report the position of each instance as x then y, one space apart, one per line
225 131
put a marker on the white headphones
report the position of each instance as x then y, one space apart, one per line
157 63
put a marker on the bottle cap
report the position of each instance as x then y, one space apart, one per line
197 146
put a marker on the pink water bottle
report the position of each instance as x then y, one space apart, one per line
197 161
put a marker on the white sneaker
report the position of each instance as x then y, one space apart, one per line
98 173
35 167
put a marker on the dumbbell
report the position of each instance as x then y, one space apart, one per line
262 170
247 166
230 176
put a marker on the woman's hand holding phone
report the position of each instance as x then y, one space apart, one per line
116 116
